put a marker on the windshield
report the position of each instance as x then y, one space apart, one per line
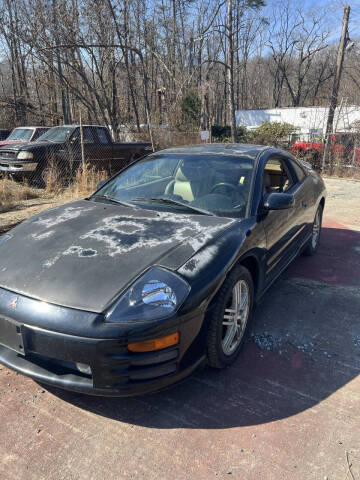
217 184
57 134
21 134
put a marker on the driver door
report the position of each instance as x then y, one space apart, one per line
281 226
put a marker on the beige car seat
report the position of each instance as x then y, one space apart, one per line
187 182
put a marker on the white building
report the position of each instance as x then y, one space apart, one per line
310 122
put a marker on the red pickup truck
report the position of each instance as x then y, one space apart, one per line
342 145
23 134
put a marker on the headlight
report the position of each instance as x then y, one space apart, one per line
157 294
25 156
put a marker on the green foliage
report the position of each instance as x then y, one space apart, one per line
243 134
191 108
272 133
222 133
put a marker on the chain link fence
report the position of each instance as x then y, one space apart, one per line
87 154
337 154
63 153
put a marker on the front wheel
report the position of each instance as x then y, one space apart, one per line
313 243
229 318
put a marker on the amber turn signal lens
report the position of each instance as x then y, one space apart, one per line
155 343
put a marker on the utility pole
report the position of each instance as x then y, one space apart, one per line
335 89
230 72
64 99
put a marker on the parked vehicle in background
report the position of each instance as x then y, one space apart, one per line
62 150
23 134
4 133
342 146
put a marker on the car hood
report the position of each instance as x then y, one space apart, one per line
4 143
83 254
29 146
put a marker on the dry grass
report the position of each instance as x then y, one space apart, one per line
85 181
54 184
12 193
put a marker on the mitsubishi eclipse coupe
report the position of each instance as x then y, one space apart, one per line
156 273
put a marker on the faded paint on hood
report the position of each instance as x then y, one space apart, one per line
83 254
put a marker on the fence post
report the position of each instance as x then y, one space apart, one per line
82 143
325 153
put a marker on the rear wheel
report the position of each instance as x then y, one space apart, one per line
313 243
229 318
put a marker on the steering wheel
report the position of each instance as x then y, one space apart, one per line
223 184
232 187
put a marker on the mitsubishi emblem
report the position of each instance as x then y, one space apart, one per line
13 302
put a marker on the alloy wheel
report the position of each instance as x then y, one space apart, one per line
316 229
235 317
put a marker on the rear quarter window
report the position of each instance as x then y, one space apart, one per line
103 138
298 171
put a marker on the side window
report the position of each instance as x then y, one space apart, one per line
102 135
88 135
298 171
277 177
147 171
39 132
166 167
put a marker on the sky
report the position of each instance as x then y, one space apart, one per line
334 11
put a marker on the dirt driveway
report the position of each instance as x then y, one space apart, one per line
288 409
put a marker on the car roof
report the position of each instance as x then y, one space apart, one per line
32 126
77 125
219 148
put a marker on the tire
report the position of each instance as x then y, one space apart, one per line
221 350
313 243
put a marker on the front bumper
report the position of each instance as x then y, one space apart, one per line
17 166
115 372
50 357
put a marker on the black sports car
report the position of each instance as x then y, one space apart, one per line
157 272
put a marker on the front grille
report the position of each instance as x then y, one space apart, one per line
119 366
7 154
56 366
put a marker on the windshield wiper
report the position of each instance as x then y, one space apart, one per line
114 200
171 201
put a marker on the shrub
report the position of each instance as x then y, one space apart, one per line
191 109
272 133
222 133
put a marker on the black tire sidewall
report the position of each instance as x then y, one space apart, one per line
215 355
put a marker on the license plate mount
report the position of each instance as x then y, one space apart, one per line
11 335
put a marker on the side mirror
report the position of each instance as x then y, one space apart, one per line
279 201
100 184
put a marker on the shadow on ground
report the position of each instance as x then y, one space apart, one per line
305 346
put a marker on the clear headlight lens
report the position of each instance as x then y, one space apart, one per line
25 156
157 294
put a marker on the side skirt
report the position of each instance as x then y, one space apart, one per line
298 251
